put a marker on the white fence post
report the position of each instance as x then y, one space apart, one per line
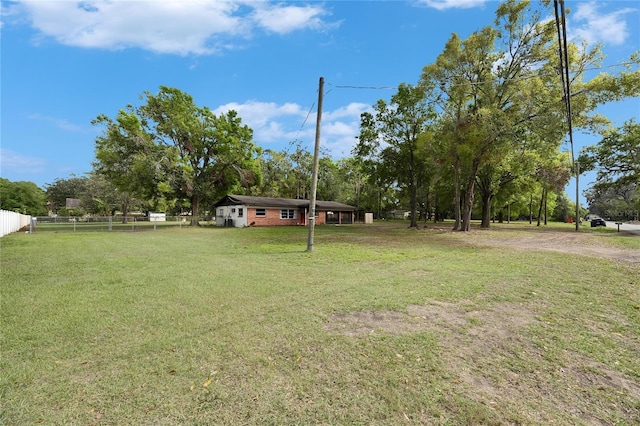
12 222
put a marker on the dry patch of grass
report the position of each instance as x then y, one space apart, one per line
491 360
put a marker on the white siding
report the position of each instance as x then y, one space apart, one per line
226 213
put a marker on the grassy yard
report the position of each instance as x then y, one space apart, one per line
379 325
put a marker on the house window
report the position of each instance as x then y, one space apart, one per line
220 212
233 210
240 212
261 212
287 214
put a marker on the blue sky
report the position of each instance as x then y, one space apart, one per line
65 62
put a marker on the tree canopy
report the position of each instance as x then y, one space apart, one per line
172 148
22 197
616 158
394 137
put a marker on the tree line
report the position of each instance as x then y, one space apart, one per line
487 120
480 134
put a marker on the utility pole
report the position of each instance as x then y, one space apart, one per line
561 26
314 176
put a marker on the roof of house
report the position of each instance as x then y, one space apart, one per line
247 200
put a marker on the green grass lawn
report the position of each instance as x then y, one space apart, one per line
379 325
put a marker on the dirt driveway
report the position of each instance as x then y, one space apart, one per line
570 242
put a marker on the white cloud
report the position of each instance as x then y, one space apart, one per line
354 109
285 19
338 128
453 4
267 119
594 26
339 137
283 123
16 163
60 123
256 113
182 27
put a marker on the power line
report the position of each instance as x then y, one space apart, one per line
366 87
305 121
478 83
295 139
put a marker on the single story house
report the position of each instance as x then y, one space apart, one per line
245 210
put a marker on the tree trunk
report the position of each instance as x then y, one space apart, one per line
468 205
457 225
469 195
530 209
487 198
195 210
546 195
540 207
486 195
126 202
413 197
125 211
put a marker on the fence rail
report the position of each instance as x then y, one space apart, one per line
13 222
109 223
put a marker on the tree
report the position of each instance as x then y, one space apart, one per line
171 146
214 153
128 157
617 155
553 175
564 209
392 137
616 202
302 162
354 181
289 175
22 197
499 90
490 181
61 189
367 186
616 158
276 169
329 183
100 197
490 90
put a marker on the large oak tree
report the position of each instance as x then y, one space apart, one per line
500 91
171 145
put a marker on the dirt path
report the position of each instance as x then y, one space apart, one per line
570 242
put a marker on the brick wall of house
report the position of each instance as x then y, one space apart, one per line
272 218
322 218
